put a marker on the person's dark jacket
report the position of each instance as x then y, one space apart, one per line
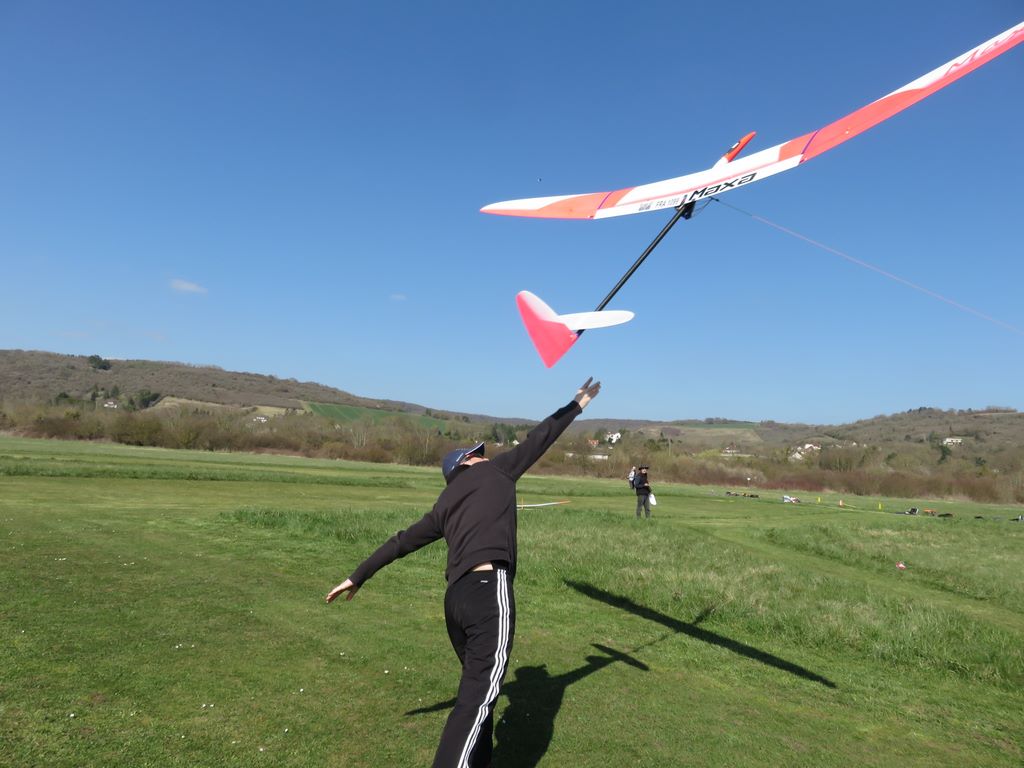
476 512
642 484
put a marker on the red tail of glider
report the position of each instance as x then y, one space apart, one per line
552 334
551 337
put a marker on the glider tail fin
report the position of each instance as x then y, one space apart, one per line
553 334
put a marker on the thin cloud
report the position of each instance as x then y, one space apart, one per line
184 286
398 297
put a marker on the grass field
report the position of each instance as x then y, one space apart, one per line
165 608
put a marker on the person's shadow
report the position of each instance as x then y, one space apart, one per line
535 696
691 629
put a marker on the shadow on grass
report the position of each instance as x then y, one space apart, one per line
534 697
694 631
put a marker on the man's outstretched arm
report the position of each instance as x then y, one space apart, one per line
424 531
543 436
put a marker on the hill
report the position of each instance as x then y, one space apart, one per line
992 427
43 376
921 453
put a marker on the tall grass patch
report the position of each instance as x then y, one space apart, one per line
979 559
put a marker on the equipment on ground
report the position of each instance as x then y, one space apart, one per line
542 504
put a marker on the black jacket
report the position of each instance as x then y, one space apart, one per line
476 512
642 483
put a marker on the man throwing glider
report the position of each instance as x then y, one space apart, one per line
476 515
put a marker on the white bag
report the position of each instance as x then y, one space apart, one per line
654 501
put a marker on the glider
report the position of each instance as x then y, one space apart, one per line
542 504
683 192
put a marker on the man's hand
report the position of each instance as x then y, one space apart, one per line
345 586
587 392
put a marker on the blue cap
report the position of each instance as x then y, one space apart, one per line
453 458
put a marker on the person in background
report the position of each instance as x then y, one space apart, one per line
642 483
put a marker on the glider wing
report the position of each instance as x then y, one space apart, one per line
735 173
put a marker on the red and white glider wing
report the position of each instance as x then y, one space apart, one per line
760 165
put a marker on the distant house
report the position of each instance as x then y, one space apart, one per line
110 404
613 437
953 441
804 450
593 443
260 419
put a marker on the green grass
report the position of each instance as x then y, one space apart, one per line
142 584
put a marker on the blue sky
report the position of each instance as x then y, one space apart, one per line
294 189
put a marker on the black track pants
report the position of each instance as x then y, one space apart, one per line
480 611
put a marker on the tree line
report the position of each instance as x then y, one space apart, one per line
908 470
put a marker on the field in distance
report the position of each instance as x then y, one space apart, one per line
165 607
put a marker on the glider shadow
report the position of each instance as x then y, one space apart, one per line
694 631
524 732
